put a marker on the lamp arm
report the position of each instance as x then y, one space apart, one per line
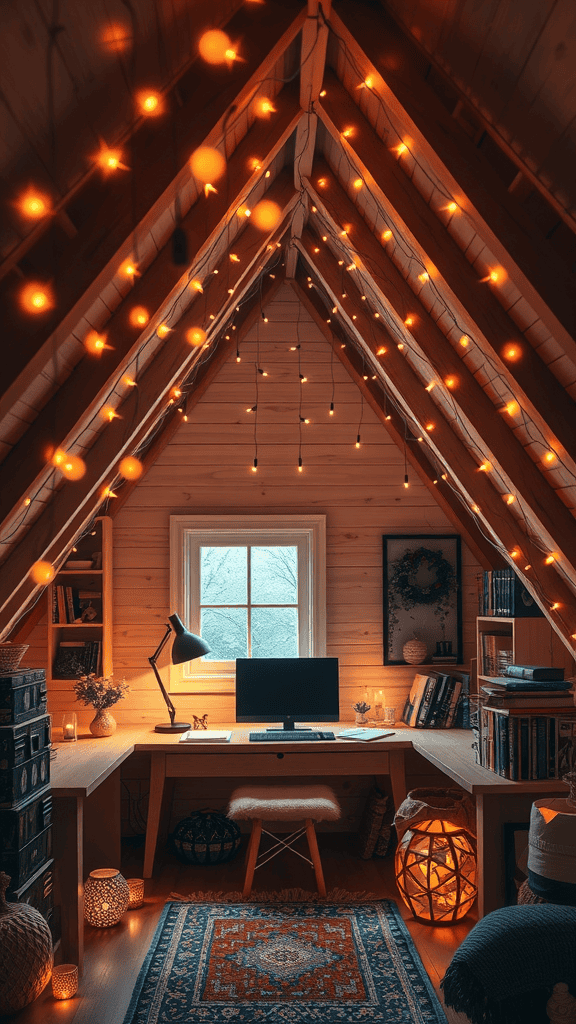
152 660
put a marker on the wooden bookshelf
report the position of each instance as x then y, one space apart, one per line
532 641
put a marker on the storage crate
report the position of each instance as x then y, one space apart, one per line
24 779
18 743
38 892
20 824
23 695
21 864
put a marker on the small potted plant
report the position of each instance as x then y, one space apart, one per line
101 693
361 708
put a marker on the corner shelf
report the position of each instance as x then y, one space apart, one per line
70 593
531 641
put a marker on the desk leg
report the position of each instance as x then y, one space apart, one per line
68 827
103 846
157 776
490 817
397 776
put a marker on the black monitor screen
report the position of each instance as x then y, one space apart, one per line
287 690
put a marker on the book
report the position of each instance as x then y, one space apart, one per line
426 702
362 734
433 717
451 712
414 699
528 699
205 736
529 685
536 672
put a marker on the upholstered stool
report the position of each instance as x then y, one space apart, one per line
283 803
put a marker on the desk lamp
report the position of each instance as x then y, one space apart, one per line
186 647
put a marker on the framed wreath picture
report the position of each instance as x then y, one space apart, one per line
422 579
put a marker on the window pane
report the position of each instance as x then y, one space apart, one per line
226 631
275 575
223 575
274 633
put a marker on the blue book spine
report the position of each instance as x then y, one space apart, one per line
552 764
513 726
524 748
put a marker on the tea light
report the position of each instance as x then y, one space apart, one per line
136 897
64 981
378 702
69 727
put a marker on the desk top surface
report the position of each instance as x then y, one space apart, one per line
77 769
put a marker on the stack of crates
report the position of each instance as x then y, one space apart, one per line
25 797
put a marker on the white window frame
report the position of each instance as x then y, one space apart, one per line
189 532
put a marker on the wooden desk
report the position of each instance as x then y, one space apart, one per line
171 759
498 801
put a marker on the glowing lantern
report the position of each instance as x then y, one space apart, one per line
131 468
435 868
266 215
36 298
196 336
42 572
215 47
207 164
139 316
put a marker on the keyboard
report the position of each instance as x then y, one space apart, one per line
290 734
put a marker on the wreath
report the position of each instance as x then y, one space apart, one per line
403 581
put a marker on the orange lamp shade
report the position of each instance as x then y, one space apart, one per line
435 867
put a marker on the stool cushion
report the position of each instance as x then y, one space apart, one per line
284 803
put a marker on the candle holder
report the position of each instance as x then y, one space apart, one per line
389 716
64 981
69 727
136 890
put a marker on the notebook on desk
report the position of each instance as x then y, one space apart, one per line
205 736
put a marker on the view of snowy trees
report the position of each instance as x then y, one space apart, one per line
249 602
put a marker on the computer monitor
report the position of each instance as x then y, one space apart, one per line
287 690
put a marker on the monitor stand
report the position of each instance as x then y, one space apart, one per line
288 723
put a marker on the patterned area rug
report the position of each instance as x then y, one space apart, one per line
292 962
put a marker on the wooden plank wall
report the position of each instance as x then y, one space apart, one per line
206 468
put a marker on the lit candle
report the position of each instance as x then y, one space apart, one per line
136 897
64 981
69 724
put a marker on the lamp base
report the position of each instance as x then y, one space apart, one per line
177 727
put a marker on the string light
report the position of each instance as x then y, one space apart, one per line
255 465
357 184
512 353
128 381
485 467
431 385
110 160
509 498
264 107
139 316
386 235
409 321
207 164
162 330
129 269
347 133
464 341
401 148
452 207
108 493
215 47
131 468
149 103
550 558
42 572
512 408
196 286
554 607
550 457
424 276
266 215
208 188
450 382
108 412
300 465
36 298
95 343
381 351
34 205
73 467
196 336
234 258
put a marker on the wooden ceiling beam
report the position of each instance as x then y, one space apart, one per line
312 61
73 401
543 581
52 532
530 380
489 432
350 357
506 228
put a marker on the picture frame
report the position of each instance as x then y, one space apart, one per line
422 597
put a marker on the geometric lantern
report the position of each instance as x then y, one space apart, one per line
435 868
106 895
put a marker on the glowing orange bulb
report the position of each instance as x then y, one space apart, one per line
509 499
550 457
128 382
34 205
196 336
116 38
42 572
162 330
401 148
452 207
424 276
485 467
95 343
400 345
464 341
450 382
234 258
347 133
431 385
550 559
554 606
475 508
243 211
514 554
139 316
149 103
129 268
213 46
358 183
108 493
381 351
409 321
131 468
429 426
512 408
266 215
264 107
494 275
207 164
386 235
109 159
512 353
27 501
322 182
323 93
208 188
36 298
108 412
196 286
73 467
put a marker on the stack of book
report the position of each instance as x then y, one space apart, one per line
527 724
68 604
496 653
74 657
500 592
438 701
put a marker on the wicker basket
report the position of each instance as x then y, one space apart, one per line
11 655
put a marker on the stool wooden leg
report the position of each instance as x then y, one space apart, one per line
315 855
252 856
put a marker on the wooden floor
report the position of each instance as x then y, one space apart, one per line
114 955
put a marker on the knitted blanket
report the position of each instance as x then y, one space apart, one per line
505 968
